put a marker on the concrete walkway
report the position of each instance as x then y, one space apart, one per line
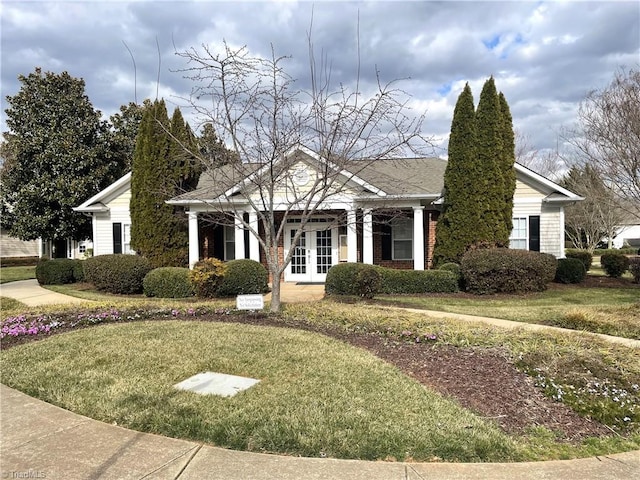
32 294
39 440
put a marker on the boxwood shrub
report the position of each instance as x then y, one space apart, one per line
503 270
614 264
59 271
342 279
168 282
570 270
117 273
584 256
243 276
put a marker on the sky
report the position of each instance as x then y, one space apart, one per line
545 56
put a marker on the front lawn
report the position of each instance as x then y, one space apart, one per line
12 274
320 396
612 311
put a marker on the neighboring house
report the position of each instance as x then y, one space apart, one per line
14 247
111 221
628 233
355 226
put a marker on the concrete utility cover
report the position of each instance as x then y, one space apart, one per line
211 383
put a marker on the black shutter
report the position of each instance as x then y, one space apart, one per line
534 233
117 238
385 231
218 242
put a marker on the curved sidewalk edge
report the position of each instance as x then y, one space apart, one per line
40 440
628 342
32 294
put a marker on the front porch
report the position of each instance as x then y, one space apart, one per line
402 238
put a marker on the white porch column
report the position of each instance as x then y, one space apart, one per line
239 235
367 237
418 238
194 240
254 245
352 237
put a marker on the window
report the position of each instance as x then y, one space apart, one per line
229 242
343 249
126 239
402 239
82 248
518 237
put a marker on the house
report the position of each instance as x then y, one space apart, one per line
385 213
628 232
11 247
111 221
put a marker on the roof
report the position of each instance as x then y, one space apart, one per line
95 203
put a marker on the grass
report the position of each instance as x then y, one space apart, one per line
316 397
12 274
612 311
11 304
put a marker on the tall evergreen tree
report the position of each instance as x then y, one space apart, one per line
458 224
490 132
59 156
508 160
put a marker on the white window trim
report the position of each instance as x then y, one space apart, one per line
526 233
409 221
229 244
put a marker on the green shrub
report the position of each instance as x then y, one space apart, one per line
502 270
342 280
634 268
117 273
570 270
584 256
57 272
206 276
614 264
167 282
78 271
243 276
368 282
19 261
418 281
455 269
623 251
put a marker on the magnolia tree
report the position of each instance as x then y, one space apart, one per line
257 110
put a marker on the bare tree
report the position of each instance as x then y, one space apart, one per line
257 110
596 218
548 163
608 136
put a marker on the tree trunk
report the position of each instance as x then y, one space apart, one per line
275 292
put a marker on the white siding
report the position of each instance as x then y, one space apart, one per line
550 234
118 213
14 247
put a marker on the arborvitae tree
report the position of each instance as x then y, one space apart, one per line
58 157
162 168
458 224
212 150
490 131
508 160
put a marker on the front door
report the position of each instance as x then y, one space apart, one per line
313 255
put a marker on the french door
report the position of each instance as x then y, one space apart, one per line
313 254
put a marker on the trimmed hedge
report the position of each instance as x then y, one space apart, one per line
368 282
117 273
503 270
342 279
570 270
243 276
584 256
634 268
18 261
59 271
168 282
614 264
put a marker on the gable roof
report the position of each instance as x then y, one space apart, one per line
555 193
95 203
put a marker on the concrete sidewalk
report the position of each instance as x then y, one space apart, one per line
32 294
39 440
